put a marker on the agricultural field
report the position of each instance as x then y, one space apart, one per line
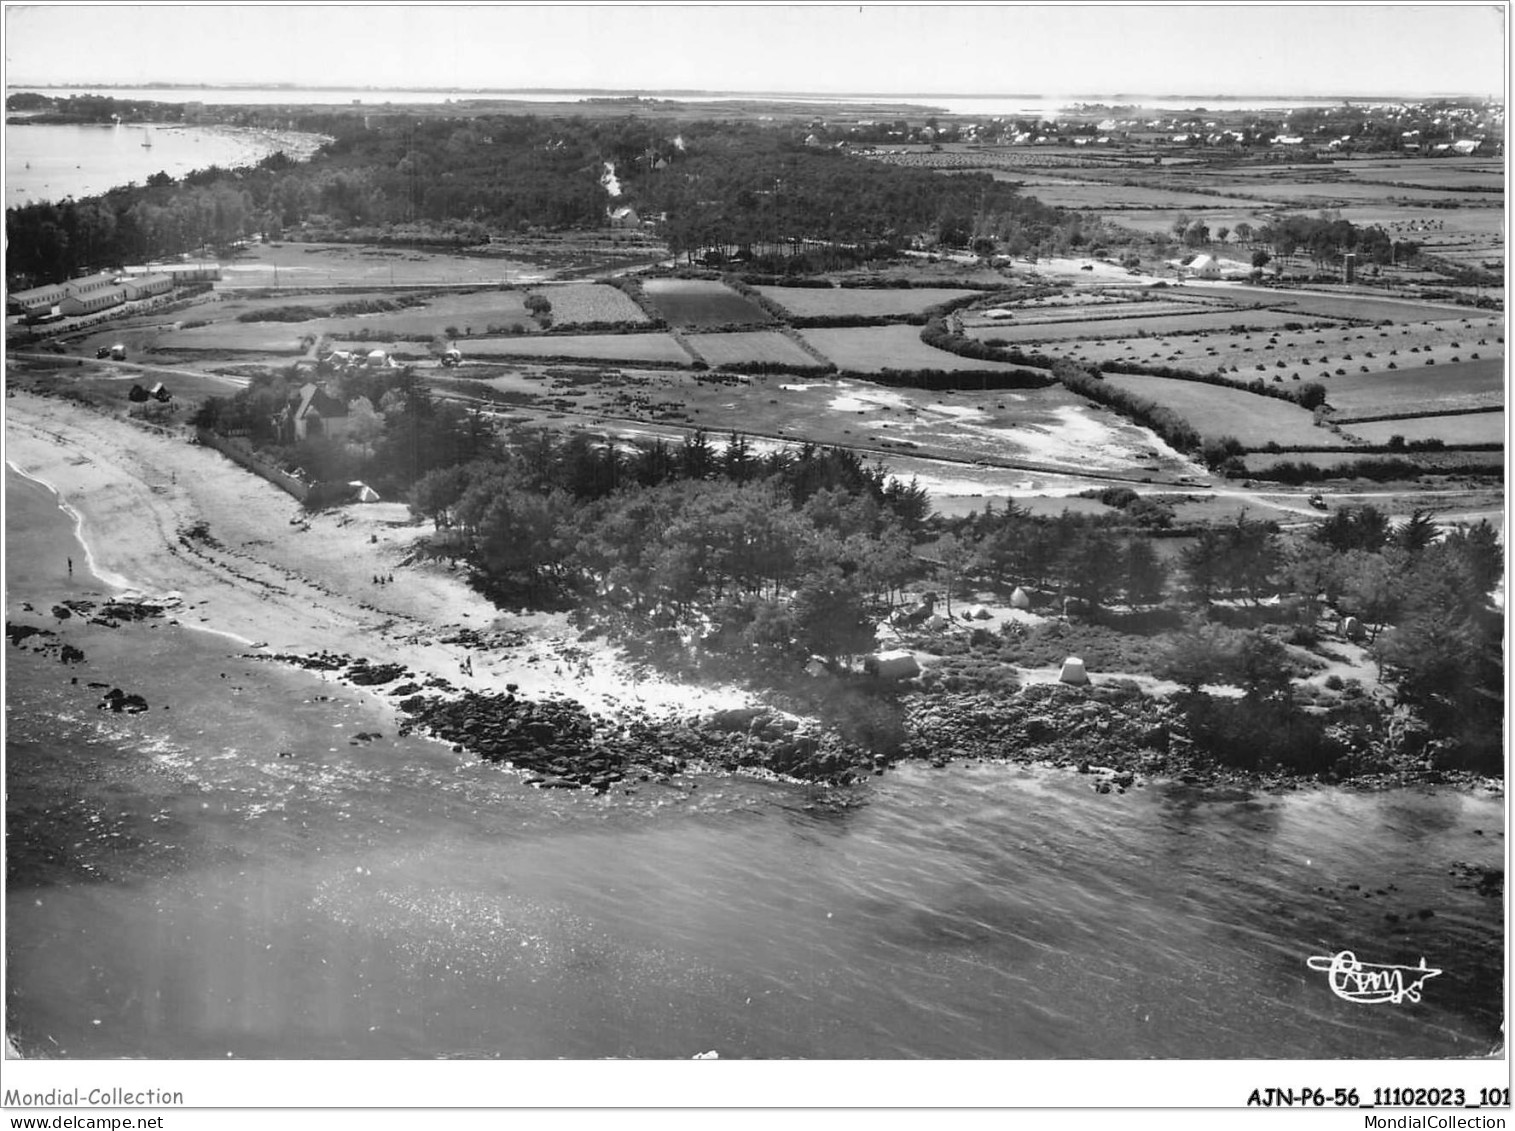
767 347
227 307
1370 308
1443 173
346 265
1154 325
519 259
1463 428
1328 353
839 302
1431 461
1467 384
697 303
1115 198
1216 411
631 349
1050 427
1317 194
483 312
576 303
1221 212
873 349
252 337
1100 309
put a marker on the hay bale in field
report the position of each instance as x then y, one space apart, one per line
1073 671
898 664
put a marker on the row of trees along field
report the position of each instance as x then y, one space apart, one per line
459 180
1325 238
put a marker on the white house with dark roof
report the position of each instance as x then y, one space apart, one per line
318 413
1203 267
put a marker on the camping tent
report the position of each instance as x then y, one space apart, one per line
898 664
1019 599
1073 671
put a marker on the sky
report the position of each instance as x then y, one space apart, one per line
1049 50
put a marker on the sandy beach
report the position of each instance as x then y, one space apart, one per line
286 581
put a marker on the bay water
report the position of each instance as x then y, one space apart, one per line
244 869
51 163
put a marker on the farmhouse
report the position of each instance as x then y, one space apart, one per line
317 413
1204 267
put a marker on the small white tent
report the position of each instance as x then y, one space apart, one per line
892 665
1073 671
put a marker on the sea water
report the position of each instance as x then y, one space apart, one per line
44 162
236 871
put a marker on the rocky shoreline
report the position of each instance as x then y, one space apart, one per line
1117 736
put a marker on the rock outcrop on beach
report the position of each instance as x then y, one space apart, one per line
1115 730
563 745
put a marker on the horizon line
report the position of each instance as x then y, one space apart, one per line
13 86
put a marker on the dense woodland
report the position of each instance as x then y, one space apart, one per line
741 188
717 191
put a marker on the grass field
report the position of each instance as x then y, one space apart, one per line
1431 461
1216 411
332 265
1115 198
1313 354
873 349
263 337
767 346
695 303
1156 325
575 303
1300 195
1445 173
1468 384
232 304
813 302
472 313
1369 308
1103 308
656 349
1465 428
